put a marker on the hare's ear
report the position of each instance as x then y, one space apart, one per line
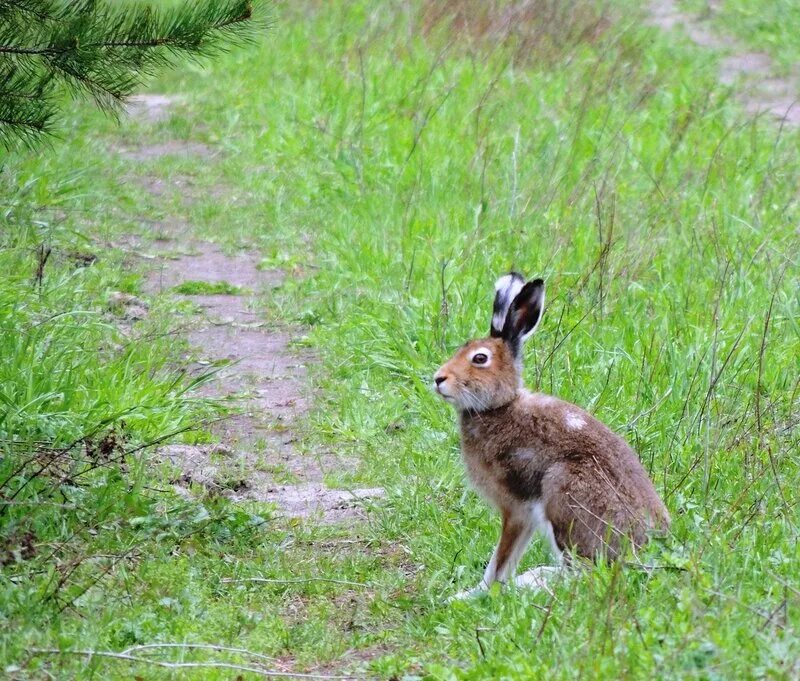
506 289
524 314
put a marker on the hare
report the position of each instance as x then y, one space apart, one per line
545 464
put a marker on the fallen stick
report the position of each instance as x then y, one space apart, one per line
304 580
266 673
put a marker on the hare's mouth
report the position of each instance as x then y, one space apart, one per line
447 398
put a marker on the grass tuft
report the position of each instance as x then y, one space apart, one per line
207 288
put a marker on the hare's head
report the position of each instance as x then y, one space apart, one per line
486 373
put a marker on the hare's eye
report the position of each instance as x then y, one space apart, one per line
479 358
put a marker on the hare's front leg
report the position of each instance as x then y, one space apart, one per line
514 539
517 531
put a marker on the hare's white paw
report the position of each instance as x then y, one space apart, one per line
538 578
468 593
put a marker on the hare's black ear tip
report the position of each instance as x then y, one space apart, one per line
538 283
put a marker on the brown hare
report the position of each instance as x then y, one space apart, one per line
545 464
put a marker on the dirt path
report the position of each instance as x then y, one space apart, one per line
260 455
754 75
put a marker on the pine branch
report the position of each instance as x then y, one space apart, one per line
25 109
178 42
40 9
99 50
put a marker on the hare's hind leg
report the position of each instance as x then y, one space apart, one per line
539 578
546 528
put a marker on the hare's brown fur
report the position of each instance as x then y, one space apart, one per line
594 491
543 463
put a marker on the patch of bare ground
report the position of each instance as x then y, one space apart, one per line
259 458
154 108
354 661
206 262
184 185
160 187
759 87
167 238
149 152
151 108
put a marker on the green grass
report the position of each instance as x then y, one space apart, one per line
207 288
400 166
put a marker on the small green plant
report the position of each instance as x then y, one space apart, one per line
208 288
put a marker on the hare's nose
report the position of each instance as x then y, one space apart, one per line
439 379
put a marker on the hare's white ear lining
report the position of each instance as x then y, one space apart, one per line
506 289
